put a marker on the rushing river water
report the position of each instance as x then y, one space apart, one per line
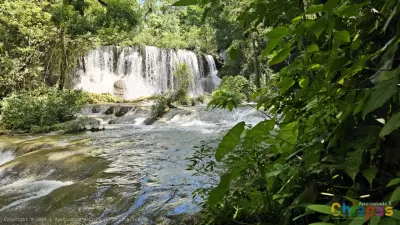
130 173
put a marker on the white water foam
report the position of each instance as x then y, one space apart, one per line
6 156
25 190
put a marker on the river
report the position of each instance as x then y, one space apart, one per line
130 173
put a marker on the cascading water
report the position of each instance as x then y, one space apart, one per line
132 73
6 157
131 173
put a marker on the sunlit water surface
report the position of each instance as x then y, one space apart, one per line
130 173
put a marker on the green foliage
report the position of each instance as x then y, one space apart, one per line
201 99
40 42
93 98
161 105
183 77
238 84
185 2
25 33
74 126
121 15
230 141
334 107
170 27
223 98
44 107
79 18
78 125
232 91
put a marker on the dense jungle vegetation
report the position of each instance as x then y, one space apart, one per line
334 113
325 72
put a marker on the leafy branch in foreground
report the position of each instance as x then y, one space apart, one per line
338 138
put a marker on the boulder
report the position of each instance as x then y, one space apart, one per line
119 88
122 111
110 110
113 122
96 109
150 121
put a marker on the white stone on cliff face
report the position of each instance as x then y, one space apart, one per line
119 85
119 88
133 73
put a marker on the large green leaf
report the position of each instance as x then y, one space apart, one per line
217 194
331 5
356 44
358 221
343 36
391 125
392 14
375 220
396 214
285 84
325 209
321 223
395 195
273 173
261 130
272 43
386 61
387 221
186 2
297 20
315 9
353 161
311 158
382 92
278 33
385 64
229 141
304 81
312 48
370 174
318 27
282 55
349 10
288 135
395 181
360 104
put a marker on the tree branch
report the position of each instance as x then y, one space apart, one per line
102 3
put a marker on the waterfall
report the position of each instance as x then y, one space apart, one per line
132 73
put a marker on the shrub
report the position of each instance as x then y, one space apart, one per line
182 97
161 105
238 84
93 98
44 107
78 125
225 98
201 99
42 129
183 75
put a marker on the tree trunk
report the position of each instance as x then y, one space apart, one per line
63 64
301 5
256 65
